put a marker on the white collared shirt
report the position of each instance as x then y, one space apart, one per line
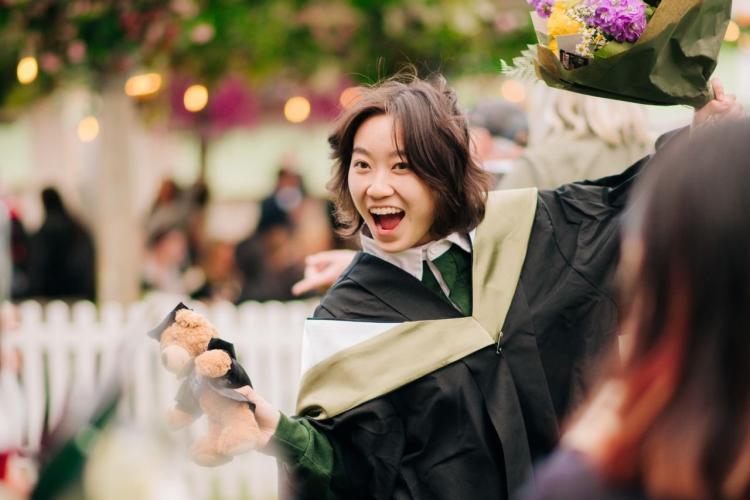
410 260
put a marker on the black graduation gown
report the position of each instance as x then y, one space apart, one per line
472 429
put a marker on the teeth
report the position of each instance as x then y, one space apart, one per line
385 210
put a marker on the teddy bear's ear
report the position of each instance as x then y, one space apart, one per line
155 333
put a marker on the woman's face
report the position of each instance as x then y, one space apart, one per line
394 202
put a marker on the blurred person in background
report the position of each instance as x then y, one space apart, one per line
167 195
308 217
222 278
184 207
166 266
61 254
268 261
287 195
292 225
674 421
19 241
500 132
574 137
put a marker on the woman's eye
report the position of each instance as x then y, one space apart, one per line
401 166
359 164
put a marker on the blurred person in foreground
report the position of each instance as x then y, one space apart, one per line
575 137
61 254
674 420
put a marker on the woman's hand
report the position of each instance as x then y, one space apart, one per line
322 269
722 107
266 415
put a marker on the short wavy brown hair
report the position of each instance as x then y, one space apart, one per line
436 146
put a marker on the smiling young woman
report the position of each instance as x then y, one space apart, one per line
423 132
394 202
441 361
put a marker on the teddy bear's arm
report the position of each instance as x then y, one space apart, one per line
213 363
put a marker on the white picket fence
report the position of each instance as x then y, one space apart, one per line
67 353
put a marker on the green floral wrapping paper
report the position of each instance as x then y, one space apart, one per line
671 63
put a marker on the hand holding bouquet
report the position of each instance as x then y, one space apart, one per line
647 51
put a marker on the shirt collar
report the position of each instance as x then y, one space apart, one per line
410 260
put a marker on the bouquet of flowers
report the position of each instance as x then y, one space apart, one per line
647 51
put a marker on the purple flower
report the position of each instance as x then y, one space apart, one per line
542 7
623 20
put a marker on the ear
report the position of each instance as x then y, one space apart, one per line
155 333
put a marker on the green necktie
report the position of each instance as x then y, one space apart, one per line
455 268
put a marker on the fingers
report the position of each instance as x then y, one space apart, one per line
322 269
247 392
305 285
322 279
317 259
718 88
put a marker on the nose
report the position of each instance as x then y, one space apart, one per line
380 187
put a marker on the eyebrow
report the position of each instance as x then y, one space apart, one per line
361 150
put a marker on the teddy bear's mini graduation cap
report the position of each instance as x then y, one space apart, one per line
155 333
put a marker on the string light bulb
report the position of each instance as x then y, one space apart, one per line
297 109
88 129
195 98
143 85
732 34
27 70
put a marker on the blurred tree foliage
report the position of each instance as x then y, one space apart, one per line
263 41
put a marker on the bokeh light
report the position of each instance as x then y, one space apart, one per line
27 70
143 85
297 109
732 34
195 98
513 91
88 129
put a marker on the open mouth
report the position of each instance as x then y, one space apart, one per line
387 218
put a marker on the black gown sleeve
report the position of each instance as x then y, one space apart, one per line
564 298
595 208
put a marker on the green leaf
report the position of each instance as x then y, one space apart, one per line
523 66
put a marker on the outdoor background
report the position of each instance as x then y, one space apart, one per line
187 140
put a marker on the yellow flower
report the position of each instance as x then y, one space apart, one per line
559 23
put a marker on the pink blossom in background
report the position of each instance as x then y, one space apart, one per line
76 51
232 105
50 63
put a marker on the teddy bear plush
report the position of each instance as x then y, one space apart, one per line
191 349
